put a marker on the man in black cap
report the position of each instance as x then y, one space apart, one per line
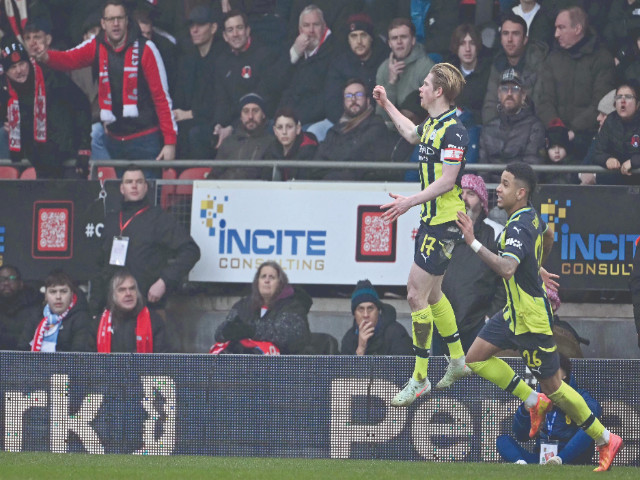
517 134
48 116
195 93
375 330
248 142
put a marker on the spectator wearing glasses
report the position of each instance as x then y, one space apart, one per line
618 142
19 303
135 108
359 134
517 134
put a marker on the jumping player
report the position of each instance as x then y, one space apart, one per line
525 322
443 142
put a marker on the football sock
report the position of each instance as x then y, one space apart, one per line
422 328
572 403
498 372
445 321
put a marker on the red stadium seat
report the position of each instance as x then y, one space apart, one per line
29 174
9 173
197 173
107 173
168 192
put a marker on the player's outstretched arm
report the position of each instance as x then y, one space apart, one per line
503 266
405 127
401 204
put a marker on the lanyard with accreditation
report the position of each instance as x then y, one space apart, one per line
121 244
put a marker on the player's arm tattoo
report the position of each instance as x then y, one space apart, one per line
503 266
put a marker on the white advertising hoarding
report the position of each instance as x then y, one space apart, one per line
321 233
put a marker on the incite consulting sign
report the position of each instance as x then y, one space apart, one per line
595 230
321 233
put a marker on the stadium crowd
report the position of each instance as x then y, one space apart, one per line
549 82
213 77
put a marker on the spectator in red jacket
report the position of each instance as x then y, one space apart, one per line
136 107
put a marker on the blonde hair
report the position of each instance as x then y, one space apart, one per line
449 78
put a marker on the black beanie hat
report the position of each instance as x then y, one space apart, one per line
364 292
12 54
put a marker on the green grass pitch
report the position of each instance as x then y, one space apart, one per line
40 466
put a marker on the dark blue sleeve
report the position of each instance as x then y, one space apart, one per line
518 241
521 424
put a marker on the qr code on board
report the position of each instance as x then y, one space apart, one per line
53 227
376 235
376 239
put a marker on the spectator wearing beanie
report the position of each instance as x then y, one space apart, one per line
361 60
606 107
249 141
375 330
559 152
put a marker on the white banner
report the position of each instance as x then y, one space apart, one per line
321 233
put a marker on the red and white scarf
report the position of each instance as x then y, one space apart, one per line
129 83
144 335
17 22
39 112
264 348
49 322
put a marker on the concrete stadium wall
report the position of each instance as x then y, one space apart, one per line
609 327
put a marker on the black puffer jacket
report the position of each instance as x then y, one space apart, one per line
77 333
508 138
389 338
15 313
285 324
619 140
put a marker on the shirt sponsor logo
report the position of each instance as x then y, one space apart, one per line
514 243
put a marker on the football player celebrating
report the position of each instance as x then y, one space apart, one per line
442 143
525 322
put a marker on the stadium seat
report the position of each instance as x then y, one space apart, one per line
106 173
196 173
168 192
9 173
29 174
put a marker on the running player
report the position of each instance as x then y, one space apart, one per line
443 141
525 322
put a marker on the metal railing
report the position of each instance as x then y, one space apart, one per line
277 166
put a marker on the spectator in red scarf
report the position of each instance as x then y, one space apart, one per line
127 325
48 116
65 324
136 107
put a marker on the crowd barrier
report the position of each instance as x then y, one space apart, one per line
273 406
